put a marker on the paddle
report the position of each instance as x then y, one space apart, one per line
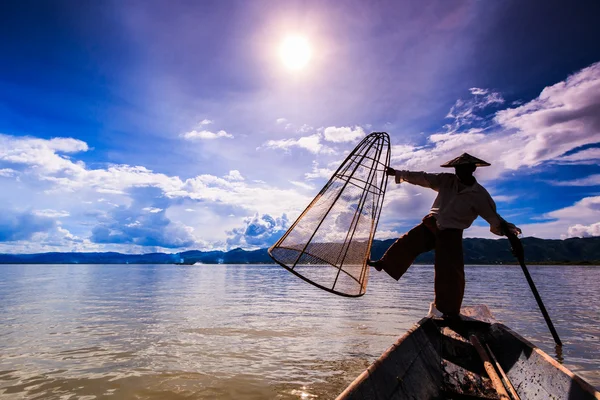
517 249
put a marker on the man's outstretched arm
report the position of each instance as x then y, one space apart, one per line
424 179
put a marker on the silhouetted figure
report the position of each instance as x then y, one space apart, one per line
459 201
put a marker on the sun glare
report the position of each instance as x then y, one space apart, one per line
295 52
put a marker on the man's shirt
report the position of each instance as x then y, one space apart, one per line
456 205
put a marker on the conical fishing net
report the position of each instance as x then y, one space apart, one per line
330 242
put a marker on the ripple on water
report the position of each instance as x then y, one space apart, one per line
170 332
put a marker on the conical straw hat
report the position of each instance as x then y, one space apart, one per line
463 159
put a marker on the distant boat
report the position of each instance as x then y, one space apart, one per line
187 262
439 359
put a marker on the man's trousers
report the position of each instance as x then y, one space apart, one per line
449 264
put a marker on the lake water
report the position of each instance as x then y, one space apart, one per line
248 331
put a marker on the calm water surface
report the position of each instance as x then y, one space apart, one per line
247 332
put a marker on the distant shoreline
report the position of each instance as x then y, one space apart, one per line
477 251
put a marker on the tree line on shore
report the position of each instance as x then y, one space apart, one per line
476 251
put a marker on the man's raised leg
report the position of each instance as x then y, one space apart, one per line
403 252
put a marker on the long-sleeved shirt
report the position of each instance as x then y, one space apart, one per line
456 205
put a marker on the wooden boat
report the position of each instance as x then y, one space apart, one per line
440 359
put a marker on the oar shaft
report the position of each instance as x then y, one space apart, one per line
489 368
540 304
519 253
509 386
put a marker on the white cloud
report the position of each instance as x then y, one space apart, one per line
42 153
406 202
260 197
586 209
66 175
206 122
504 198
62 145
7 172
450 142
66 235
587 156
418 158
464 112
54 239
478 91
234 175
343 134
592 180
305 128
143 226
311 143
564 117
281 120
302 185
562 222
109 191
317 172
402 153
112 180
52 213
582 219
205 135
258 231
386 234
152 210
579 230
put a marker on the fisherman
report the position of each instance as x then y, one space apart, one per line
459 201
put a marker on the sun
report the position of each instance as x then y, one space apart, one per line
295 52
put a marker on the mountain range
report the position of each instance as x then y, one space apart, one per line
476 251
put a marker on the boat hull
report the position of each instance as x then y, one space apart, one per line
436 360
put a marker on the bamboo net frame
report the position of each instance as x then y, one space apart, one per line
330 242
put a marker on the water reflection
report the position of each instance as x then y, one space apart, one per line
160 331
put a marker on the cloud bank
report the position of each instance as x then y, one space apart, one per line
104 206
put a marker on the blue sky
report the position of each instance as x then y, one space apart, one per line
165 126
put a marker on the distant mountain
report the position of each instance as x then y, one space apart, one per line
537 251
477 251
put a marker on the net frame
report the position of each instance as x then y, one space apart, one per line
373 185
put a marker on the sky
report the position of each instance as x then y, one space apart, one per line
142 126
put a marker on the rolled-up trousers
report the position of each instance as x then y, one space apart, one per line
449 263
